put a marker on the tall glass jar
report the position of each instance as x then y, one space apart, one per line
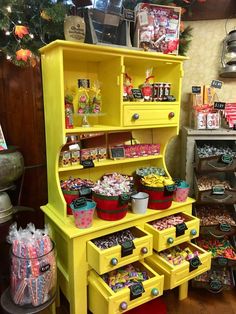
34 278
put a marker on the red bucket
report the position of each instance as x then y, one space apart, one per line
159 197
69 197
111 207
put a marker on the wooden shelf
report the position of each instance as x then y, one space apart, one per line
111 162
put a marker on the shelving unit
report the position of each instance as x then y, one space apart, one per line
62 64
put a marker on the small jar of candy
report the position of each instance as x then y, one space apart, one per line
33 267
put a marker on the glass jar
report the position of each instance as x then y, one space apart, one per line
34 278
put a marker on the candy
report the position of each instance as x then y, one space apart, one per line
214 215
114 239
176 255
168 222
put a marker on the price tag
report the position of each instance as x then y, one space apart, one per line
225 227
180 229
219 105
215 285
194 263
87 163
129 15
136 290
196 89
117 152
45 268
137 94
218 190
127 248
226 159
216 84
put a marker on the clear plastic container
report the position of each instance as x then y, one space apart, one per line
33 280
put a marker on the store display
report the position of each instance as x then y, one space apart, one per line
33 266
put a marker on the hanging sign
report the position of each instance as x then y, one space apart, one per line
219 105
216 84
196 89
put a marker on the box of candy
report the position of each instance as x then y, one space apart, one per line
211 156
124 288
219 187
118 249
215 280
216 220
180 263
157 27
222 249
172 230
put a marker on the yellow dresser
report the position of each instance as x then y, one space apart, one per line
80 263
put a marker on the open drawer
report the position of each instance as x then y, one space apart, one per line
103 300
105 260
176 275
182 232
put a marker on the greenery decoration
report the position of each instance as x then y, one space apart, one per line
27 25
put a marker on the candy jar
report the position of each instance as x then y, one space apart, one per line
69 110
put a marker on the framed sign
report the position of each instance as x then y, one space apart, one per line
3 144
117 152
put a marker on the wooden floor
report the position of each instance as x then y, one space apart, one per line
199 301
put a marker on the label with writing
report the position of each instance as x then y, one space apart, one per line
222 261
225 227
219 105
117 152
227 159
136 92
216 84
45 268
136 290
194 263
218 189
196 89
87 163
215 285
180 229
129 15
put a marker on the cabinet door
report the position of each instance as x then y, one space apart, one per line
149 115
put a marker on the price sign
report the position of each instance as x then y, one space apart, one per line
137 93
196 89
218 190
219 105
117 152
226 159
216 84
87 163
129 15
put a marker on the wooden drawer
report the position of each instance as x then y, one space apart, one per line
103 300
177 275
149 115
173 236
106 260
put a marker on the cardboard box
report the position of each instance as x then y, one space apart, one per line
157 27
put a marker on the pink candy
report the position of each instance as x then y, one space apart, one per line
168 222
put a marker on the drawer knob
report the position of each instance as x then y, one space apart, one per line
144 250
123 306
193 232
170 240
114 261
171 115
155 292
135 116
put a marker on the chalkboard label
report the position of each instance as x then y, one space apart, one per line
194 263
196 89
180 229
222 261
45 268
83 83
215 285
117 152
216 84
218 190
226 159
137 93
219 105
136 290
129 15
224 227
87 163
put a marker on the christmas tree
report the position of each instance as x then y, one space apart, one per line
27 25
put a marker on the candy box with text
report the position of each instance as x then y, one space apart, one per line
157 27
